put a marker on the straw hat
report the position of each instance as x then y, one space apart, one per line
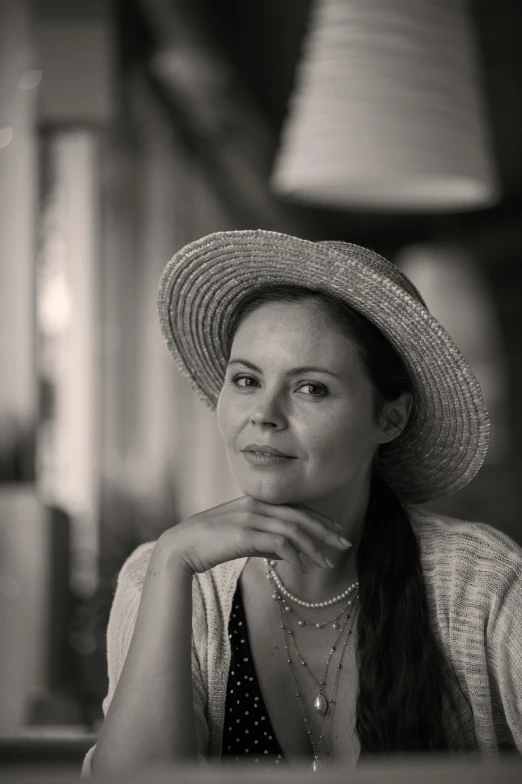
445 441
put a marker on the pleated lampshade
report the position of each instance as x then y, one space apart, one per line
387 112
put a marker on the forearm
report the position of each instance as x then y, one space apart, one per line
151 716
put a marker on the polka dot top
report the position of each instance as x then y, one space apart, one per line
248 735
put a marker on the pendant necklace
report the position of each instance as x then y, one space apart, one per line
321 704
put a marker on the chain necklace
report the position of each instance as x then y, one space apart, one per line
320 703
303 622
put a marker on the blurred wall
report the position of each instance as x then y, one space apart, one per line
23 541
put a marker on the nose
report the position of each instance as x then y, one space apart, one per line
267 411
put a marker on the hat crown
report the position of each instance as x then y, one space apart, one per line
377 263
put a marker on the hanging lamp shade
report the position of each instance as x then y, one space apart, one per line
387 112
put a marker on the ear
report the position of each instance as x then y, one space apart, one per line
394 417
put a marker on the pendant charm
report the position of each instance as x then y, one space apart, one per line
321 704
317 765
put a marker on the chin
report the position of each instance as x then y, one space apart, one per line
271 495
271 489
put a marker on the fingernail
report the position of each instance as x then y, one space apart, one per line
345 541
330 563
337 525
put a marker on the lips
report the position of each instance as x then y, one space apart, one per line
265 450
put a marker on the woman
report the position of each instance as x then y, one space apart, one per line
330 616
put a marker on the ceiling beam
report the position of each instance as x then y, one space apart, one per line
206 94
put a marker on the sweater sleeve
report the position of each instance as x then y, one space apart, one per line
504 643
122 620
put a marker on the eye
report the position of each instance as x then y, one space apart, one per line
321 390
317 390
236 379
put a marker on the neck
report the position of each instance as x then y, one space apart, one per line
347 507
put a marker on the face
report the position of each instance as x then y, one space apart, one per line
323 417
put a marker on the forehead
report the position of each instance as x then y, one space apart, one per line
297 332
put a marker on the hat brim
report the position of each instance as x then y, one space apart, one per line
446 439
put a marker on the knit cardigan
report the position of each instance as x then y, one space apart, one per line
473 578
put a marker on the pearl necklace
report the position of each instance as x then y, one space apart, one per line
290 596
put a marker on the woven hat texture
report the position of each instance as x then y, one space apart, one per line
446 439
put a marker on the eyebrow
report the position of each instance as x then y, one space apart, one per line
293 372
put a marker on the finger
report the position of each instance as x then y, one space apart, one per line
306 519
278 547
294 531
338 540
329 521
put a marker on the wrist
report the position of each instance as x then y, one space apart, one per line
166 559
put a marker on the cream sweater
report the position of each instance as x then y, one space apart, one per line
473 576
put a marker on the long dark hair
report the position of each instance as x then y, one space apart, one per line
404 676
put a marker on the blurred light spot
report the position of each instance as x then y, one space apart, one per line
6 136
55 305
30 80
9 588
82 642
110 338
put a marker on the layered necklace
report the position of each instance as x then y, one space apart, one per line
322 704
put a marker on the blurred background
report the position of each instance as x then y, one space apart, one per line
129 128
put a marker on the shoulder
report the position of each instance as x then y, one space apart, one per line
453 537
473 560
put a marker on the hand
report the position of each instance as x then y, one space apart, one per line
248 527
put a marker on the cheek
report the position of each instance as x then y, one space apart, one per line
343 439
